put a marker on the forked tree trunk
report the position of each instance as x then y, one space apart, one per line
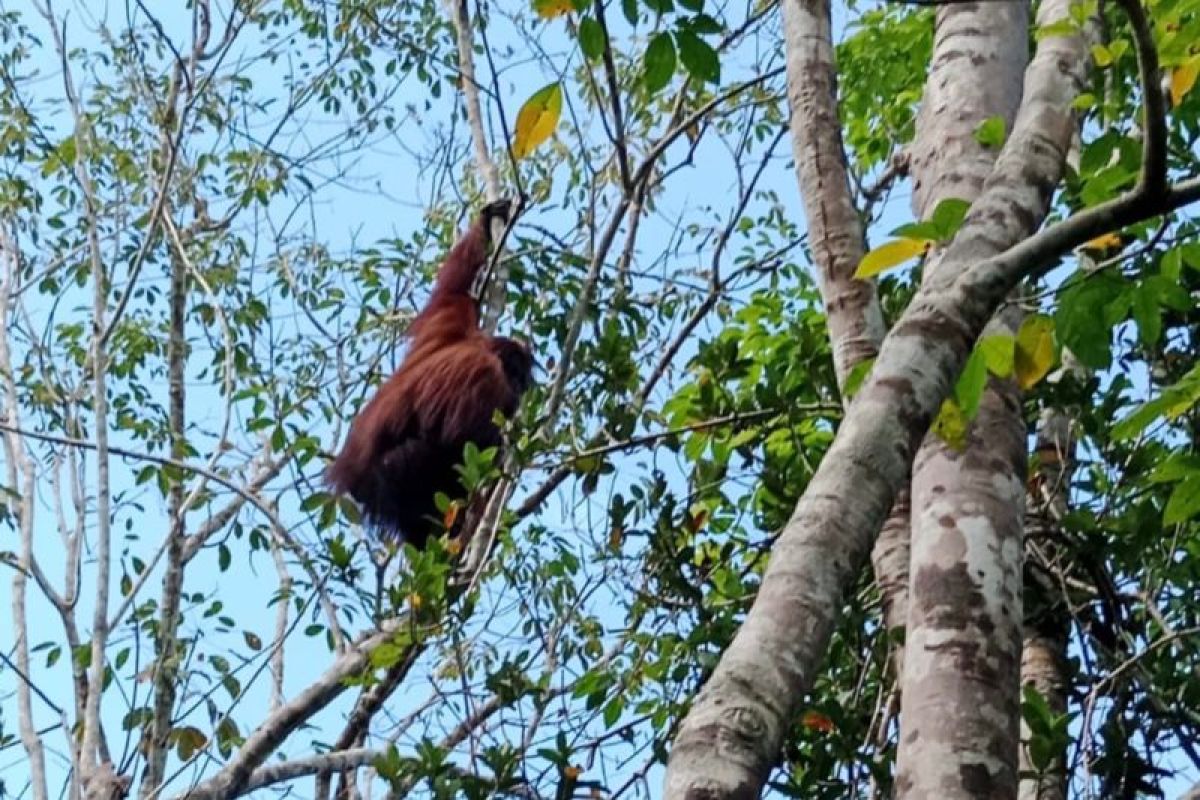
959 692
836 241
731 737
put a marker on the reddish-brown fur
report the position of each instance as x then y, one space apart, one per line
404 445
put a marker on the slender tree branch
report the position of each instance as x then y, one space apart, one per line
165 461
614 98
1154 114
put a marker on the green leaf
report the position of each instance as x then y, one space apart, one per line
1184 502
1101 55
1146 313
1176 468
692 5
659 63
918 230
1174 400
1078 320
991 133
592 40
999 354
704 24
698 57
949 216
660 6
971 383
630 9
314 500
1036 711
857 375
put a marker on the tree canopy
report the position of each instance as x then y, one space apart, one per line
861 460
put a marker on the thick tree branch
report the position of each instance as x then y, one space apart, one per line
730 738
230 780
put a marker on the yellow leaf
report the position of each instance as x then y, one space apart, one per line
572 772
550 9
454 546
1101 55
890 254
414 601
951 425
1183 78
1035 350
537 119
1103 242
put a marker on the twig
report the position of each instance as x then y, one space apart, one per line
716 422
614 94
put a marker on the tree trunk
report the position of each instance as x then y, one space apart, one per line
835 238
731 737
959 695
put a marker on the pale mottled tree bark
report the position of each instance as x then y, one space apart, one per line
835 231
20 480
960 684
836 241
731 737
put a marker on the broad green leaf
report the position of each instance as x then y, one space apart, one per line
1171 264
890 254
969 389
698 57
1190 253
1147 314
1034 354
659 63
857 376
1184 502
1079 320
537 119
1174 400
991 133
1036 711
592 40
949 216
999 353
704 24
1058 28
918 230
1176 468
